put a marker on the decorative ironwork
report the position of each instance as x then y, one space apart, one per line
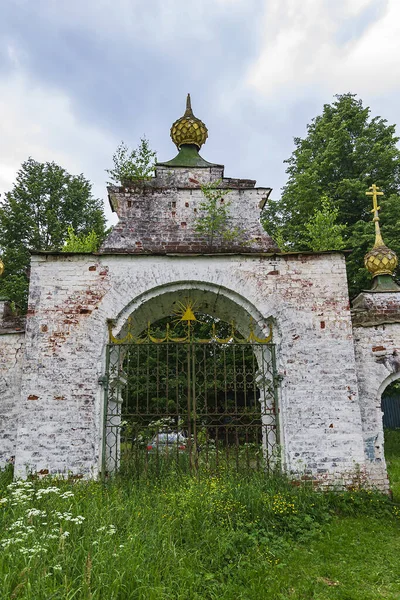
190 403
185 314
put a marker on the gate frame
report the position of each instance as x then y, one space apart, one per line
188 317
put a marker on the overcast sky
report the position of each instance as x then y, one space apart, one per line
79 76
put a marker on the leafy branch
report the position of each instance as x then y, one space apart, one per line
214 220
132 165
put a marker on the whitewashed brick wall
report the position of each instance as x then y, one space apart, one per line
377 348
11 351
71 298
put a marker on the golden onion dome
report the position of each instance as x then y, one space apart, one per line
1 267
189 129
381 260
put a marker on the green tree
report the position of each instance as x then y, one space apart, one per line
343 153
213 221
43 203
132 165
89 242
322 231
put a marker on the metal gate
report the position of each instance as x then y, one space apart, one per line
176 400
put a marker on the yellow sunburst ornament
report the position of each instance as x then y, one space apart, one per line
381 260
185 311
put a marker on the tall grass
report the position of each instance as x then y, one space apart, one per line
218 536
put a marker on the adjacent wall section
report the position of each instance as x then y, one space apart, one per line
11 353
376 326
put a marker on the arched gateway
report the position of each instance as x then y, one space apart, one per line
197 388
210 335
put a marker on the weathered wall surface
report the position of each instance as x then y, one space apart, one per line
160 215
376 319
11 352
72 297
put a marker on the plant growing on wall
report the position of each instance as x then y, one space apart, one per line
132 165
323 232
214 220
89 242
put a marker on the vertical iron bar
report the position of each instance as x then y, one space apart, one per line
189 408
194 408
105 411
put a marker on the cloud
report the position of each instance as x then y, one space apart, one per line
349 45
34 120
78 77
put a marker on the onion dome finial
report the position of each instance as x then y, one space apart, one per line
189 129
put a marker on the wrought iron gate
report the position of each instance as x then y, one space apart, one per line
186 402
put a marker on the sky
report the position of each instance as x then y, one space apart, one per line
79 76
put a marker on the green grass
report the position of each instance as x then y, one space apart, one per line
181 538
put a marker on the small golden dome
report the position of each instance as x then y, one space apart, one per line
1 267
381 260
189 129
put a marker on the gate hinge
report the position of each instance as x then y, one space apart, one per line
103 380
278 377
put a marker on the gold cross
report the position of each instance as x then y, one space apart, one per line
374 193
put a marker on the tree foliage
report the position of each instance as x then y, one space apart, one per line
132 165
323 232
213 221
43 203
343 153
89 242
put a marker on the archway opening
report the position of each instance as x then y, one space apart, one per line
390 405
189 391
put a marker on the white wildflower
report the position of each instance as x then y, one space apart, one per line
67 494
46 491
35 512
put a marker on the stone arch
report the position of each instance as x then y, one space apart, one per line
216 301
390 379
374 444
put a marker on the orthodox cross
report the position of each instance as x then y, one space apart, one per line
374 193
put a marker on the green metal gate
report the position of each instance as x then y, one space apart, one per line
189 403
